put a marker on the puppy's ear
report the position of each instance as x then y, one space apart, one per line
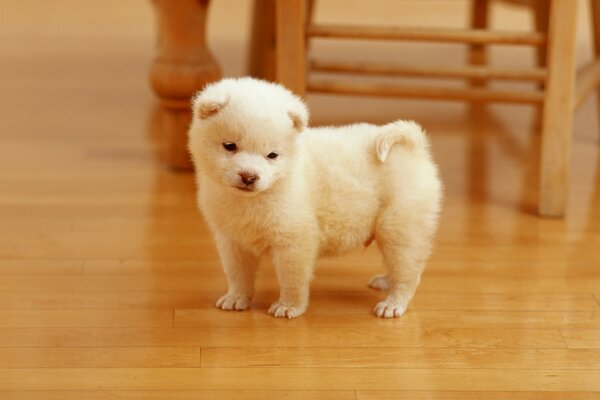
205 106
298 113
297 121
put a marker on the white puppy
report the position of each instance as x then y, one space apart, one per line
269 186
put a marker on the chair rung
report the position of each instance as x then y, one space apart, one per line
472 36
532 74
424 92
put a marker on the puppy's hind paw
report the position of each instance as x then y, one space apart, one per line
280 310
379 282
388 309
233 302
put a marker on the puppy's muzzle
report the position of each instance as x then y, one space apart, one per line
248 179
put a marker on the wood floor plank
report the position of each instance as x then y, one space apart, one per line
430 395
512 285
178 395
97 244
289 333
113 300
99 357
417 358
358 264
582 339
503 301
296 379
68 283
148 283
318 316
85 318
560 268
162 267
319 298
41 267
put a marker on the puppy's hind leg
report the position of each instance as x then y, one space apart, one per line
405 245
379 282
240 268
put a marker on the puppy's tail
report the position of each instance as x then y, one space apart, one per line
406 133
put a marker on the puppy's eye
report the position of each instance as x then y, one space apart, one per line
272 156
229 146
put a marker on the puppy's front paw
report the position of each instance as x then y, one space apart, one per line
281 310
233 302
379 282
389 309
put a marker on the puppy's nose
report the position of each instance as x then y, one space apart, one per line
248 178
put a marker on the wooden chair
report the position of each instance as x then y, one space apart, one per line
559 92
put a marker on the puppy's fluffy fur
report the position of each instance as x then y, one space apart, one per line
268 186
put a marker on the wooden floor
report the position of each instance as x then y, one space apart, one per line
108 275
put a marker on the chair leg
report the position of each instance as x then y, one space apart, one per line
541 18
541 13
558 108
290 44
595 11
261 62
479 20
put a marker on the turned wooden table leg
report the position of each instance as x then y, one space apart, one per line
182 66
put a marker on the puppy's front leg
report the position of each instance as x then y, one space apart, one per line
294 266
240 268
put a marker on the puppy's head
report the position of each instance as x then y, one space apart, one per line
244 133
